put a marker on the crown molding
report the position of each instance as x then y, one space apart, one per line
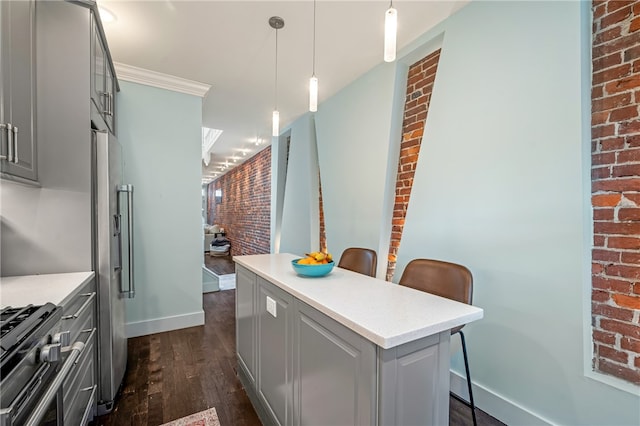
160 80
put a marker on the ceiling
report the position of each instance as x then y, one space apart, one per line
230 45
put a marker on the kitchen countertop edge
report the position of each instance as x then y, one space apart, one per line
39 289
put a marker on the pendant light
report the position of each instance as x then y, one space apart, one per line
390 31
276 23
313 81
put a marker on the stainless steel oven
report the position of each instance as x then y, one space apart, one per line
35 359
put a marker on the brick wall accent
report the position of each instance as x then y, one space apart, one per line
245 210
615 175
323 231
420 80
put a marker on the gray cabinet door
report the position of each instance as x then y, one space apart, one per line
334 372
413 383
275 347
18 89
103 80
110 97
98 59
246 321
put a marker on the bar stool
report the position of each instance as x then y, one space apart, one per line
361 260
448 280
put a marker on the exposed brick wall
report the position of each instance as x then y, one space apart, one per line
420 80
615 175
323 231
245 210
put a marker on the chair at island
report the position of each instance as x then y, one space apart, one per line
448 280
361 260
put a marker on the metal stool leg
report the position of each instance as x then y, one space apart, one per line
466 367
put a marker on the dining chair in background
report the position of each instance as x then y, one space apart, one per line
448 280
361 260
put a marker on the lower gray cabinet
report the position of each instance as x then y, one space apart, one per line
275 348
79 388
334 372
246 321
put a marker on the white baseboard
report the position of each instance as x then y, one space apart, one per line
159 325
210 287
501 408
210 281
227 282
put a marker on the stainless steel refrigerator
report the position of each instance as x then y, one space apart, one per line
113 262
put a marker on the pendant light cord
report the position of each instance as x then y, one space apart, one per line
276 73
314 39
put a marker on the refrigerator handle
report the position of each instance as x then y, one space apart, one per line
129 190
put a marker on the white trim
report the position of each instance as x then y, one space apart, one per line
160 325
612 381
495 405
160 80
227 281
210 281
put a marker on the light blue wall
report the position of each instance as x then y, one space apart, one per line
160 132
500 187
353 132
300 209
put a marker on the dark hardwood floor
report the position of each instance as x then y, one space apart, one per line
178 373
220 265
174 374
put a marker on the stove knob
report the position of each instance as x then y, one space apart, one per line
50 353
64 338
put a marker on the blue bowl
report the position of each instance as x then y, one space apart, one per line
312 270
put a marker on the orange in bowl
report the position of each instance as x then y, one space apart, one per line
305 268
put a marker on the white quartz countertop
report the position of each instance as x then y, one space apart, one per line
385 313
23 290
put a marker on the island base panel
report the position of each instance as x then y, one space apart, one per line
413 382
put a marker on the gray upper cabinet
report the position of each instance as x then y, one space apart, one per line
103 80
18 152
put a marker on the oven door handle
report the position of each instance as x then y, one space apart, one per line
52 390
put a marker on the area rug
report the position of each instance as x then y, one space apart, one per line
203 418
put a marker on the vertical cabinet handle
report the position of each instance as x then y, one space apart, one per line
3 127
108 103
15 144
10 142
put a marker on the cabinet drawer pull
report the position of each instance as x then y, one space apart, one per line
90 296
88 408
91 332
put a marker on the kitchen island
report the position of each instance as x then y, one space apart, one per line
342 349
